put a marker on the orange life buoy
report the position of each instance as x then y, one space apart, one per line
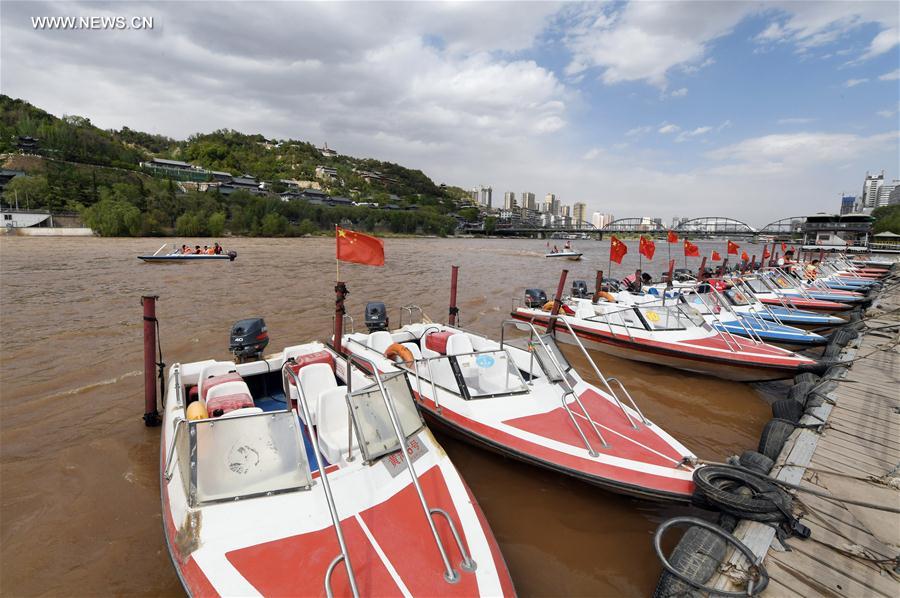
606 296
548 306
398 350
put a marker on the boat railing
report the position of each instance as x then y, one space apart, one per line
450 575
727 337
751 333
344 323
410 309
178 424
179 389
609 323
567 388
288 373
779 294
606 380
742 286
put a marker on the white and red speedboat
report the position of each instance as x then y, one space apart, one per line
672 335
287 477
521 398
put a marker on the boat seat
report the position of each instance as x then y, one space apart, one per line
459 344
334 425
379 341
436 342
414 349
585 310
315 379
228 397
214 370
304 359
243 411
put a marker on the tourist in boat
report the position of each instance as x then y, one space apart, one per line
812 270
568 245
185 250
555 249
217 249
205 250
197 249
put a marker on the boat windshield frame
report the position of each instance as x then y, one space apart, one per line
410 420
651 315
424 369
604 318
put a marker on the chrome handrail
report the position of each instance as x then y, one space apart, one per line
171 452
326 485
450 575
328 572
409 309
468 563
179 389
566 386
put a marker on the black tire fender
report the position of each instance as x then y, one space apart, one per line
771 441
756 462
788 409
696 556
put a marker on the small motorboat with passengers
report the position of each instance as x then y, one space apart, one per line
300 475
176 256
521 398
671 335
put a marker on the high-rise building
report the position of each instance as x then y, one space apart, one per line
564 210
884 194
894 198
528 200
579 213
871 190
486 193
474 195
600 220
675 222
848 204
509 200
552 204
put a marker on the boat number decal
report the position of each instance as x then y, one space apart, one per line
241 459
484 361
652 316
394 462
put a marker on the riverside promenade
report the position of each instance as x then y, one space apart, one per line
854 457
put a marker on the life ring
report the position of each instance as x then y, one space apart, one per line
398 350
564 308
549 305
606 296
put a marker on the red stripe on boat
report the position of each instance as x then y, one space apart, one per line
196 581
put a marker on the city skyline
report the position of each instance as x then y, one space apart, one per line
613 104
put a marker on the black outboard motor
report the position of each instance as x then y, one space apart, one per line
580 289
535 297
248 339
232 255
610 285
376 316
682 274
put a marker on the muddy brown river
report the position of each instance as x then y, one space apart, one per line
79 491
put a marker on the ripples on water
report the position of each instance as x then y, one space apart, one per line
80 494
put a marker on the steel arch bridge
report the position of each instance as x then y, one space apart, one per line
633 225
715 225
785 226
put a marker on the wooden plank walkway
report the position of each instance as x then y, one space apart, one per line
853 550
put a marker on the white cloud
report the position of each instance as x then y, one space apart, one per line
725 125
685 135
668 129
680 93
795 121
855 82
638 131
886 113
892 76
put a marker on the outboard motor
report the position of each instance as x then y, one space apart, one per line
535 297
376 316
580 289
610 285
682 274
248 339
232 255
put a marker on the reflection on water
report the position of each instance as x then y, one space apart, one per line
79 501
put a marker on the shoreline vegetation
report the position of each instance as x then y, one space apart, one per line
70 165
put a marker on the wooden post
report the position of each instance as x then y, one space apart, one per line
701 272
151 414
597 286
671 273
557 300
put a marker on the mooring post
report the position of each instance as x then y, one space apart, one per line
671 272
701 273
340 293
557 300
597 286
638 283
151 414
454 274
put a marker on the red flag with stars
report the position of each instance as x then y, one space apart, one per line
744 256
691 250
647 247
617 249
733 248
359 248
672 237
715 256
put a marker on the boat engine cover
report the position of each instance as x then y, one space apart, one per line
376 316
249 338
580 289
535 297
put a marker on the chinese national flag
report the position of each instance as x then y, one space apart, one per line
783 247
744 256
672 237
733 248
359 248
691 250
766 253
647 247
617 249
715 256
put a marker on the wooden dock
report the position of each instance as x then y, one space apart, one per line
853 550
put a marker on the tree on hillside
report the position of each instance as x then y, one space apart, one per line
28 191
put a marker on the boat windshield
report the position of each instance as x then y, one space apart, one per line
478 375
372 421
671 318
737 297
544 357
246 456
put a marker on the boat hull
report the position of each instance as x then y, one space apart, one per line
177 259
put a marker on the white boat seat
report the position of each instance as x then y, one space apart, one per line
315 379
424 350
334 425
585 310
459 344
414 349
380 341
243 411
227 397
213 370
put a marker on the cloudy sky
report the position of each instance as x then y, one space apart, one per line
756 110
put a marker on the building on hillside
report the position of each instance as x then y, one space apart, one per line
871 189
7 175
245 181
28 144
848 204
326 173
486 193
579 214
176 170
509 200
528 201
327 151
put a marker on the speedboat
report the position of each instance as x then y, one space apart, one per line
743 300
300 475
522 398
771 294
175 256
569 255
671 335
791 286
